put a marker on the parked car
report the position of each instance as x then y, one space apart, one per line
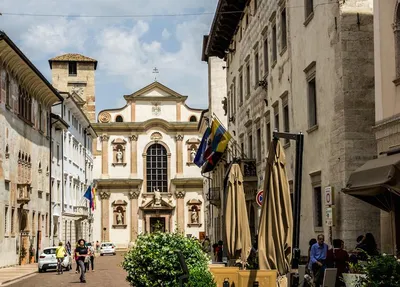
47 260
107 248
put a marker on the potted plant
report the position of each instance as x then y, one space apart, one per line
382 270
31 254
355 276
22 255
153 261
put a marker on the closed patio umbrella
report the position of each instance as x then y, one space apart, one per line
237 225
276 221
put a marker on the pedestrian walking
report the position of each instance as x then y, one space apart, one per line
61 252
81 252
98 246
92 253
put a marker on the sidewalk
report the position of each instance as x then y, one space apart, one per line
11 274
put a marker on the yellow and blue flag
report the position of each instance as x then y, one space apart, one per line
219 137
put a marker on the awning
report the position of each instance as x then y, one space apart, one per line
377 182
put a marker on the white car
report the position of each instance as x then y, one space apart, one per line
107 248
48 260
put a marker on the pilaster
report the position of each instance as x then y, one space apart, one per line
179 154
180 212
133 112
133 139
105 215
104 155
133 196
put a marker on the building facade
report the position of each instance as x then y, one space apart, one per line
25 167
146 179
74 76
295 69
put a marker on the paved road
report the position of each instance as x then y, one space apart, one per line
107 273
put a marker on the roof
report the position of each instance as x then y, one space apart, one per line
70 57
224 25
156 85
43 87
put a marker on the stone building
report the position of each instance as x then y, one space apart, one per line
25 109
73 159
303 68
377 182
144 167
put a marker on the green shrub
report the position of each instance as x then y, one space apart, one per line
153 260
200 277
382 271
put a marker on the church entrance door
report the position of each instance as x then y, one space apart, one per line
157 224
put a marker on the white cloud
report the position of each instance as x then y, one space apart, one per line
165 34
126 49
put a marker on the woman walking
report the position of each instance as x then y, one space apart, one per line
81 252
60 255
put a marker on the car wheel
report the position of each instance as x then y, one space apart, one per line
114 253
40 270
101 254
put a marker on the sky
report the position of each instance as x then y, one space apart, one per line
126 48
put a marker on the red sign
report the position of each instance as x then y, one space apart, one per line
259 197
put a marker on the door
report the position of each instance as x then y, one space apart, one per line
157 224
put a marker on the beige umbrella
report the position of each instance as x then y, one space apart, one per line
276 221
237 224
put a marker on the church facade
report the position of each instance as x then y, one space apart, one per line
143 167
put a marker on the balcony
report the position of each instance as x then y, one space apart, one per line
249 169
214 196
23 193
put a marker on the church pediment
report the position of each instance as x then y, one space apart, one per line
156 91
153 206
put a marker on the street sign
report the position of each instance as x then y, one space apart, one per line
329 195
259 197
330 216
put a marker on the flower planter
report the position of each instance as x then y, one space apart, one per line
32 260
351 279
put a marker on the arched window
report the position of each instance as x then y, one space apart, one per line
193 119
157 168
396 29
119 119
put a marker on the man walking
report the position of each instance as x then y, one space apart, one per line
318 259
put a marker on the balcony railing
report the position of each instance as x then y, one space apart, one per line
23 193
249 169
214 196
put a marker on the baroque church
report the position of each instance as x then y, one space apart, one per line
146 178
143 159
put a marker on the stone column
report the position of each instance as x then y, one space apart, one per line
178 112
104 155
179 154
133 139
133 196
180 210
105 215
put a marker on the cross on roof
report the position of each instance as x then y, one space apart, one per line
155 72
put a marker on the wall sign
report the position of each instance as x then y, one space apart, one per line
259 197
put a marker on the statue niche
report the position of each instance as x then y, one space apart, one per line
119 148
119 214
192 146
194 208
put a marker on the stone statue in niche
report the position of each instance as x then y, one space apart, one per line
194 215
192 154
120 217
120 156
157 197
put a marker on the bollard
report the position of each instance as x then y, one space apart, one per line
226 282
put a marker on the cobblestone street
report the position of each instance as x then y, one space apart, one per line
107 273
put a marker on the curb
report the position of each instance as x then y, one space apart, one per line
14 280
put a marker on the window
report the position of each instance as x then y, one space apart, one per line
396 28
309 7
241 88
256 70
258 145
234 96
119 119
255 6
39 222
286 126
276 117
268 132
72 71
250 146
317 206
40 112
69 115
283 29
58 154
312 104
8 91
242 147
47 225
274 43
5 219
64 112
157 169
193 119
33 223
12 220
248 80
266 65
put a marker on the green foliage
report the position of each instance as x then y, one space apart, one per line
200 277
153 260
382 271
356 268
